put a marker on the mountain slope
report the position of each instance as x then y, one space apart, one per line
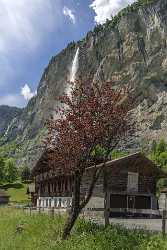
130 49
7 116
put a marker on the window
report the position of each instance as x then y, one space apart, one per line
118 201
133 179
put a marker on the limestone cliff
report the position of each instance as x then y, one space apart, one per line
8 115
130 49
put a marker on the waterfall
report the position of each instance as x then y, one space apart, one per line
74 67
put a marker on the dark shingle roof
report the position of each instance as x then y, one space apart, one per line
132 159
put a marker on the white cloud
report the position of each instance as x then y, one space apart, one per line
69 13
12 100
27 93
18 99
106 8
23 23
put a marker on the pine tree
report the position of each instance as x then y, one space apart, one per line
154 147
11 170
161 147
2 168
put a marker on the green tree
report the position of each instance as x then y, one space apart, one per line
161 147
159 152
2 169
154 147
162 159
11 171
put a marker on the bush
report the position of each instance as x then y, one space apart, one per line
161 147
159 153
11 172
2 169
163 159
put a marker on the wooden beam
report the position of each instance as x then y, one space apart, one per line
106 208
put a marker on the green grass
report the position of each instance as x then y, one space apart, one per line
20 231
17 192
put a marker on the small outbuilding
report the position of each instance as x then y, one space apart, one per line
126 185
4 197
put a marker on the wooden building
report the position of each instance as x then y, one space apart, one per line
126 185
53 187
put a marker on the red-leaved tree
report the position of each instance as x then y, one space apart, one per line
89 118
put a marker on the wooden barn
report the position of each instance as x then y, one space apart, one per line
126 185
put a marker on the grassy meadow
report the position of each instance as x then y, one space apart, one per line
20 231
17 192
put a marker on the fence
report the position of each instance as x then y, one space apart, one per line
47 210
102 216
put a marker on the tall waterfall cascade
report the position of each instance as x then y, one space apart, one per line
74 69
75 65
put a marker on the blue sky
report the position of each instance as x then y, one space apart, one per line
32 31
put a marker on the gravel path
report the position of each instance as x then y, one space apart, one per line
153 225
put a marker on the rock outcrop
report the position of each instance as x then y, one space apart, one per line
130 49
8 116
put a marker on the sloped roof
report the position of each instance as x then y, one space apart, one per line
43 163
132 160
47 162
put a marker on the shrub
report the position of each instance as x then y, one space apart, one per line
11 172
2 168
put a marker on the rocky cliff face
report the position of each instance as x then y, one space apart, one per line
131 50
8 115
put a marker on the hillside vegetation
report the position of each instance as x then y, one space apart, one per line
20 231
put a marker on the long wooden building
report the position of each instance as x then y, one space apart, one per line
129 183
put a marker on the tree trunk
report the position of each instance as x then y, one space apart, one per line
75 210
70 223
76 205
